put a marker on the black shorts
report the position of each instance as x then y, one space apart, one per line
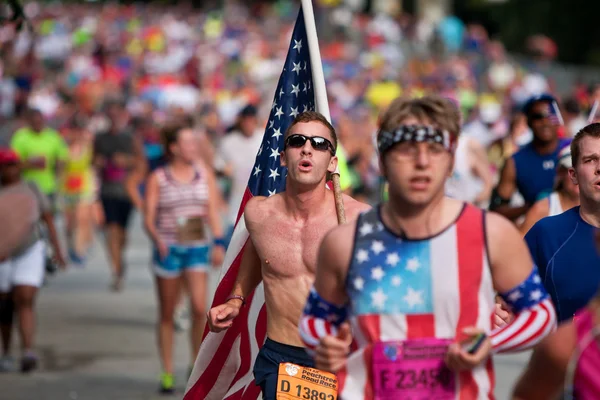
116 211
267 363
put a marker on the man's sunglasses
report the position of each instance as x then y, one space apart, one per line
538 116
317 142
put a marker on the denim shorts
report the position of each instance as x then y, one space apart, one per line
181 257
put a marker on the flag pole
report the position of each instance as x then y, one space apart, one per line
322 104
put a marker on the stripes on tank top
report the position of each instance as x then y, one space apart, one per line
408 289
179 200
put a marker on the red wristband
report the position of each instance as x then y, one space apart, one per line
237 297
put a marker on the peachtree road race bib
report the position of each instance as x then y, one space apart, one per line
296 382
412 370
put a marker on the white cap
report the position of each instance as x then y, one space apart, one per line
564 157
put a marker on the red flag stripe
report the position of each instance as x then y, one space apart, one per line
471 244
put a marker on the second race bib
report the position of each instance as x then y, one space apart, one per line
412 369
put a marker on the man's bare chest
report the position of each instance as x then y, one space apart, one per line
288 249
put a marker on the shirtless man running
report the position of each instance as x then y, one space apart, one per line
285 231
416 277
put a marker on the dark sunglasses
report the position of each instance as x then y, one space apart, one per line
538 116
317 142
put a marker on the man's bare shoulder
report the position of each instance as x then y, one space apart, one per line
259 207
497 226
354 208
340 237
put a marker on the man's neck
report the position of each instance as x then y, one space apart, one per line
545 147
590 212
415 222
304 202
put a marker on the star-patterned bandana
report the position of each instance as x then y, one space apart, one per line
414 133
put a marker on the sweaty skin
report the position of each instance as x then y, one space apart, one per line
287 249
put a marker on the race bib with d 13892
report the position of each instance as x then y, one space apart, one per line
295 382
412 370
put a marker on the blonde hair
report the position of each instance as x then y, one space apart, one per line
442 113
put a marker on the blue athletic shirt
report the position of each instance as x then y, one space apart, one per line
536 172
563 248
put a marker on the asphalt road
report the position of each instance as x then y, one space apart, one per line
97 345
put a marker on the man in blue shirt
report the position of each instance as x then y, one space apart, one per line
563 246
532 169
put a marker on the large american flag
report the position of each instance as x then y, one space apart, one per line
223 368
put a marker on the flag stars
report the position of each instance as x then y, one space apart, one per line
362 256
274 154
413 297
274 174
260 150
294 112
377 273
271 123
305 108
271 192
392 259
536 295
396 281
413 264
305 65
366 229
305 88
257 170
279 112
359 283
514 296
276 133
281 92
297 45
377 247
295 89
378 299
296 68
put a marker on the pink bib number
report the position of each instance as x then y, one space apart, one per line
412 370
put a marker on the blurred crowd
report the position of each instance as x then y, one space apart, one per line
76 72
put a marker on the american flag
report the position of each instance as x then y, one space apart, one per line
223 368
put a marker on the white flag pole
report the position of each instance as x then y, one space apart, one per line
593 112
322 103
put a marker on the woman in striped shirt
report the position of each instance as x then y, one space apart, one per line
181 199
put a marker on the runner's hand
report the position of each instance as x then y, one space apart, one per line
502 316
332 352
221 317
217 256
163 250
458 359
60 261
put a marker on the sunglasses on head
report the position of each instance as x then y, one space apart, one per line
317 142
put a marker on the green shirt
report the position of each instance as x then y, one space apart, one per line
48 144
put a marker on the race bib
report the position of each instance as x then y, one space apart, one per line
296 382
112 173
190 229
412 369
74 183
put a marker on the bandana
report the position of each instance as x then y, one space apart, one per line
414 133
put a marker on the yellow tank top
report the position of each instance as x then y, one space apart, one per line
78 177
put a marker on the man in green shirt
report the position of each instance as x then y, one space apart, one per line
43 152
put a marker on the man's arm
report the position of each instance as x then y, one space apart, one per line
325 309
518 283
502 194
544 375
248 277
539 210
